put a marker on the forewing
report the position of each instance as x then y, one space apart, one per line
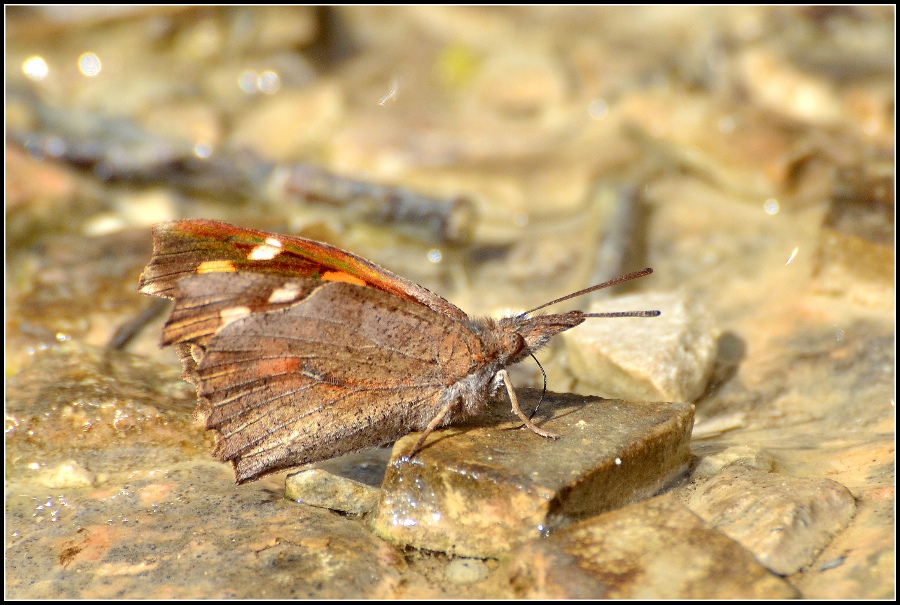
198 246
205 303
344 369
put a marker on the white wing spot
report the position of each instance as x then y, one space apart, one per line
267 251
287 293
233 314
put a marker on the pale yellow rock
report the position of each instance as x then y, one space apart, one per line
665 358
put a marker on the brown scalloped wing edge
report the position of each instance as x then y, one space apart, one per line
188 247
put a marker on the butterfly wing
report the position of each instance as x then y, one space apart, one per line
343 369
301 351
199 246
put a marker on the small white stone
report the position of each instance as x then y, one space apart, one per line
466 571
69 473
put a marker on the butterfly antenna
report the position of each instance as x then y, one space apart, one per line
543 391
606 284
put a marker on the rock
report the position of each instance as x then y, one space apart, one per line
784 521
656 549
323 489
466 571
665 358
482 487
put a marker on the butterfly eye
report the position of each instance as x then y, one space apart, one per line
513 342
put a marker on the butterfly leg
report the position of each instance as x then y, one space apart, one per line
504 376
435 422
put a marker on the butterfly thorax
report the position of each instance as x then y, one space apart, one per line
503 342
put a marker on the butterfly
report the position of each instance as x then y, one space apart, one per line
301 351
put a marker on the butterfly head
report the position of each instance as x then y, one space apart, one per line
535 332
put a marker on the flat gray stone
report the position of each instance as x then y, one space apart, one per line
482 487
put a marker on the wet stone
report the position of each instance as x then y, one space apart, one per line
323 489
76 288
41 196
481 487
365 467
76 414
349 483
784 521
656 549
665 358
189 533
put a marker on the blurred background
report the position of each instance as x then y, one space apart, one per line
499 156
